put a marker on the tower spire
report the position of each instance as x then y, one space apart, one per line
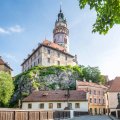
60 7
61 32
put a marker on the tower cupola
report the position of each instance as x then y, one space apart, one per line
61 32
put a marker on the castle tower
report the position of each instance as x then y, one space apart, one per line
61 32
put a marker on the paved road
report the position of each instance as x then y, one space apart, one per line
92 118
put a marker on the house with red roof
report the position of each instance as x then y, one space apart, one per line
96 96
56 100
113 96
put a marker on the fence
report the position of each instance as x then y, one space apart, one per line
78 113
33 115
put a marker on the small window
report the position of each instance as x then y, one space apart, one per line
42 105
50 105
103 101
48 60
58 105
90 91
48 51
29 106
58 55
34 56
34 63
38 61
65 57
99 101
99 92
95 100
58 62
94 92
39 52
70 105
77 105
90 100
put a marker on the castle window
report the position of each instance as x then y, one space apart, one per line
58 62
35 56
48 51
65 57
38 52
48 60
38 61
58 54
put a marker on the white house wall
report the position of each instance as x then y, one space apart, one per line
112 99
35 105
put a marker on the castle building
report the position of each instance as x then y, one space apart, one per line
54 52
4 66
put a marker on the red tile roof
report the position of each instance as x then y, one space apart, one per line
53 45
82 83
114 85
58 95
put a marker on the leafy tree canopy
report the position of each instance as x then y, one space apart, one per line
108 13
93 74
6 88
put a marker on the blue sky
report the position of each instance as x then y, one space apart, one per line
25 23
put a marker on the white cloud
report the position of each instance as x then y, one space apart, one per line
3 31
12 29
16 29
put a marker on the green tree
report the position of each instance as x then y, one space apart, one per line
93 74
108 13
6 88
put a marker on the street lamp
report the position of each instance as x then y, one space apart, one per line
68 95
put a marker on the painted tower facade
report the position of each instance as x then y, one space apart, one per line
61 32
